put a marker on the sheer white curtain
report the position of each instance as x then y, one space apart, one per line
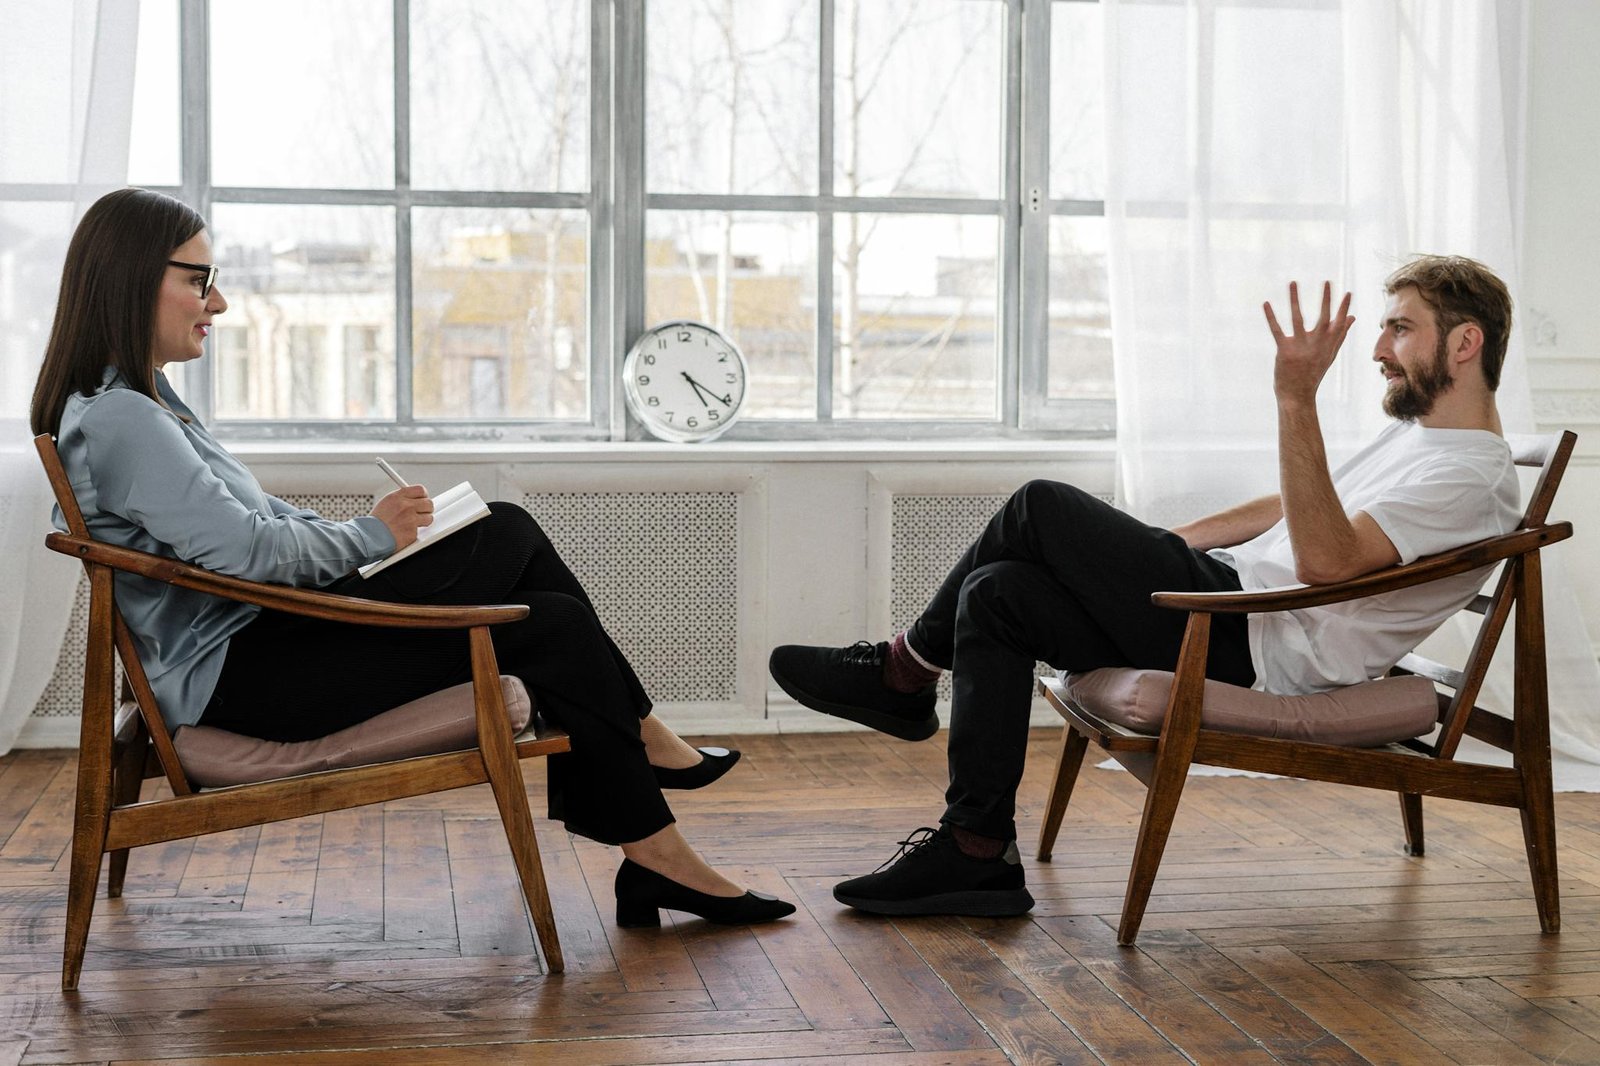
1254 143
66 92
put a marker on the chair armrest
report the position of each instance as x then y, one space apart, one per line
325 605
1461 560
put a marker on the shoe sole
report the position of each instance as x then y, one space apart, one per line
895 726
991 903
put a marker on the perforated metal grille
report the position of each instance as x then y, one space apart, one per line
663 571
928 533
335 506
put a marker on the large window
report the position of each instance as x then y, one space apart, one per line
449 218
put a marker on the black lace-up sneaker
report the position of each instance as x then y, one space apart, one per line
848 683
931 875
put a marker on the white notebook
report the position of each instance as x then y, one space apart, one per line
453 509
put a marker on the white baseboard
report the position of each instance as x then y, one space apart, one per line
55 731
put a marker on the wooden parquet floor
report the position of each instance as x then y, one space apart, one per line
1286 926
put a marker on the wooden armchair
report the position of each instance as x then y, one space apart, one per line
1413 767
124 741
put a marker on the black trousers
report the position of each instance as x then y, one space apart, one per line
1060 576
291 678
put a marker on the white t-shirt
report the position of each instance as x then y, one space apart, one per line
1429 490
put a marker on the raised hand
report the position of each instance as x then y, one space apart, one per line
1304 355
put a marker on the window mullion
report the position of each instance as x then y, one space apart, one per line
824 216
403 331
628 188
1033 318
604 285
1010 250
194 59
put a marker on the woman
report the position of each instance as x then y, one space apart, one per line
138 292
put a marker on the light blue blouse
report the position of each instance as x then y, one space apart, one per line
147 479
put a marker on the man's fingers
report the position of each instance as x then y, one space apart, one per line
1272 321
1295 318
1327 305
1348 321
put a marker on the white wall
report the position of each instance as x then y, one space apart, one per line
1560 305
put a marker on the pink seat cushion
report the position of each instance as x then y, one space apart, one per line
1361 716
443 721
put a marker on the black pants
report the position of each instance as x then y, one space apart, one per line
1060 576
291 678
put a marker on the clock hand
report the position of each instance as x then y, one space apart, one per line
727 400
698 390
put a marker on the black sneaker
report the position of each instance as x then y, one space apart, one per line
848 683
930 874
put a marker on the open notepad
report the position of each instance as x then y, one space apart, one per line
453 509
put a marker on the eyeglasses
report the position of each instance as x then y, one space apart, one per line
208 269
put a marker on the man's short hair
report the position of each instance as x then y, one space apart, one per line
1460 290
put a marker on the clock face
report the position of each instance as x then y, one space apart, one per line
684 381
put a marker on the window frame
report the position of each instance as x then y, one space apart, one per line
617 204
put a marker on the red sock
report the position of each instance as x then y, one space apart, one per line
901 670
977 845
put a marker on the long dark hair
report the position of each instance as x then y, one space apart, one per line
105 314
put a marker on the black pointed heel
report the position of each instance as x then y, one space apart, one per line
641 893
714 762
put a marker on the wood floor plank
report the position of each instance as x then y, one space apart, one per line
1273 1020
1161 1000
1286 926
1021 1024
821 981
1417 1007
23 781
919 1003
491 918
1369 1031
725 1048
417 904
1525 1024
1097 1016
41 837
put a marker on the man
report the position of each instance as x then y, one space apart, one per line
1060 576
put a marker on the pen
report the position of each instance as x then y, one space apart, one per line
393 474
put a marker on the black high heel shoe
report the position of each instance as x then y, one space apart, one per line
714 762
641 893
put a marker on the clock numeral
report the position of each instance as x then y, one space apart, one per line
668 414
730 377
661 342
652 401
684 336
691 422
644 379
723 358
648 359
713 414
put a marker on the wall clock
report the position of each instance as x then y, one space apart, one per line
685 381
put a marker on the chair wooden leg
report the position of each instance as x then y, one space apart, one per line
1068 763
126 779
1531 746
505 778
92 815
1411 815
1179 734
511 796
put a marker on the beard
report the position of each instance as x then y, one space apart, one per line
1415 393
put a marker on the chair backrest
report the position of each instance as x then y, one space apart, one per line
1548 453
144 700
